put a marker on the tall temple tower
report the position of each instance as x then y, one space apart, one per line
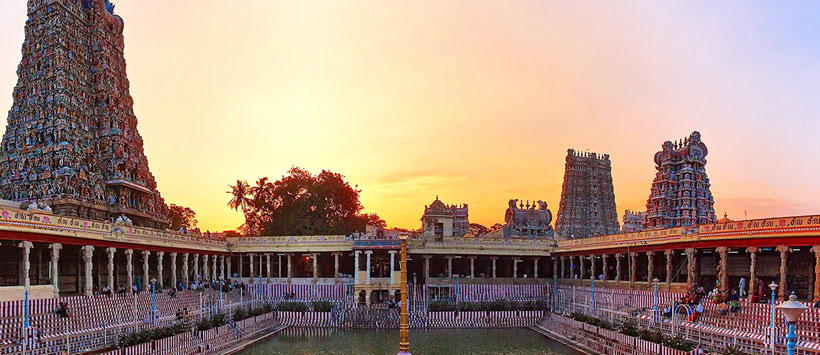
680 193
71 140
588 197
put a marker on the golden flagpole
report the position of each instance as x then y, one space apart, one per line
404 332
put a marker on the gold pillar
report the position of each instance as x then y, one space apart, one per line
404 332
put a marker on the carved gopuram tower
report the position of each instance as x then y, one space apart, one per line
680 193
71 140
588 197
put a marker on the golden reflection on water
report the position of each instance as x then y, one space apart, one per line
325 341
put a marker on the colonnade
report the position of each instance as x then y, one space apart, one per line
263 261
584 266
87 259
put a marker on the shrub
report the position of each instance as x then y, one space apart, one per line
731 350
679 343
292 307
322 306
629 328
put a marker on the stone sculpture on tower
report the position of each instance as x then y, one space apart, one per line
71 140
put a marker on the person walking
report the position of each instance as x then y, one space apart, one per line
742 287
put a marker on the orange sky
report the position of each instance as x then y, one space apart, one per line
476 102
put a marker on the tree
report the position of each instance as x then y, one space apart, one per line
182 217
301 203
372 219
478 229
239 193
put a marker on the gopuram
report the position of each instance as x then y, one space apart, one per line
680 194
71 140
588 197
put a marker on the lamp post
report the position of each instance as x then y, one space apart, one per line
153 300
220 291
791 309
592 283
772 329
404 332
772 286
655 282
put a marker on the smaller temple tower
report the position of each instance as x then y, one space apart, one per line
588 197
440 220
633 221
680 194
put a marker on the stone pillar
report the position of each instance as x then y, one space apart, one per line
228 262
356 266
160 283
784 257
392 265
426 268
145 283
605 266
535 267
55 267
753 269
111 252
336 267
581 267
449 266
563 267
205 274
174 271
250 265
554 267
633 268
196 267
213 268
267 267
816 250
472 267
367 279
592 269
515 267
669 275
650 266
88 254
129 267
315 267
723 273
618 273
367 295
185 270
493 258
222 267
25 248
290 267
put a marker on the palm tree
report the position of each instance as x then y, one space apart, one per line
239 196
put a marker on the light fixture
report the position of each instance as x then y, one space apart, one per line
792 309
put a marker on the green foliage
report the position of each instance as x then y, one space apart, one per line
214 321
301 203
731 350
678 342
144 336
181 216
322 306
629 328
292 307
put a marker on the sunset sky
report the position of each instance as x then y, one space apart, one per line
474 101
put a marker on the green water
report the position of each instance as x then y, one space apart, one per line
422 342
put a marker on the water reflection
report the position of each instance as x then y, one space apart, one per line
422 342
